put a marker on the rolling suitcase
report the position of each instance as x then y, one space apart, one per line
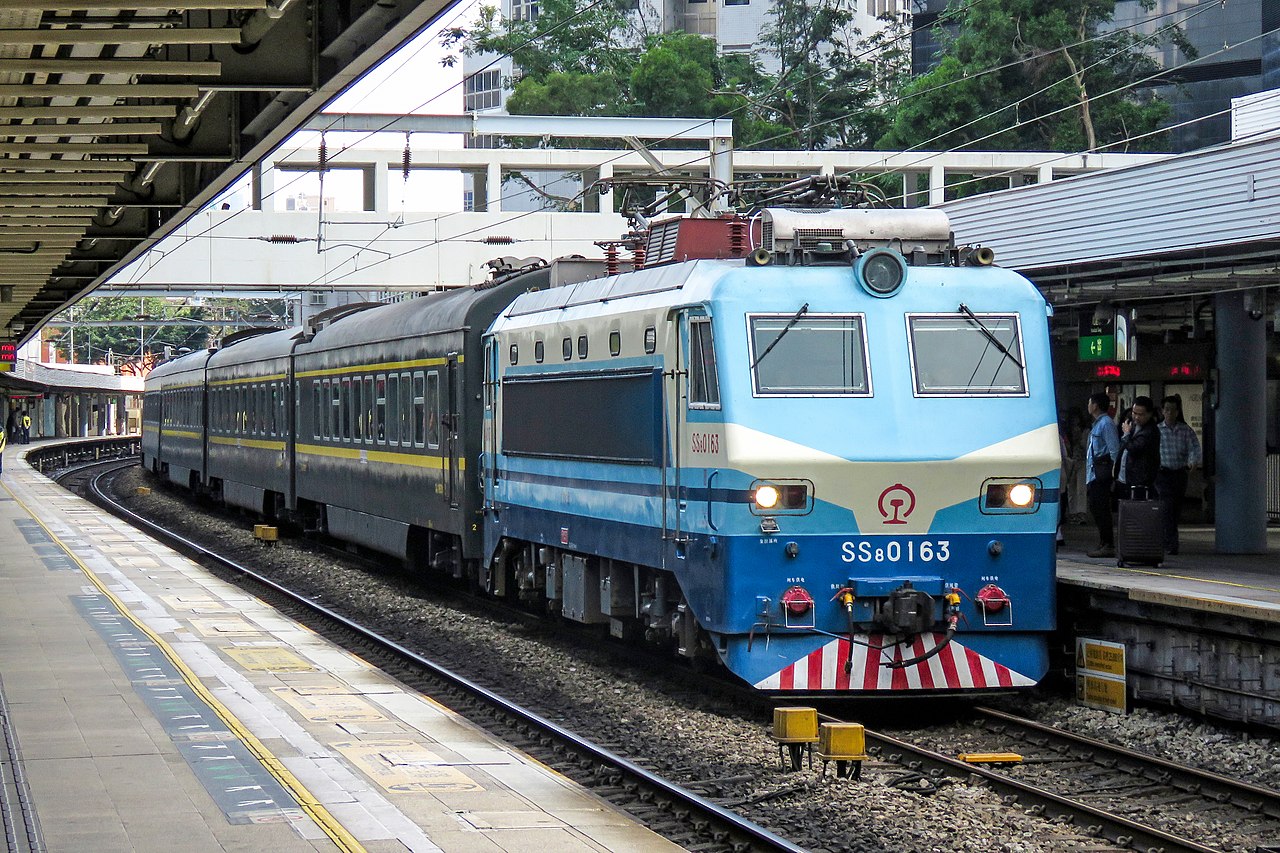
1140 533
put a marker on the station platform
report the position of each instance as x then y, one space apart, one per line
1197 578
147 705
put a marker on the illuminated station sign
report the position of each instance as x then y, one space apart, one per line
8 355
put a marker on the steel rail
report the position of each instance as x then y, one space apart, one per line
739 828
1205 783
1119 830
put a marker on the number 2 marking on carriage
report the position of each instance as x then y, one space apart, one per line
895 551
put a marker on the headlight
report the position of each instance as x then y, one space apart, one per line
771 497
880 272
767 497
1011 495
1022 495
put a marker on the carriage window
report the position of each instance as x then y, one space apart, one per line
433 409
704 384
335 409
404 431
955 354
808 355
419 411
346 409
315 408
357 405
393 409
381 417
368 409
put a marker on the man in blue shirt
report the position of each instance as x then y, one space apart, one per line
1179 453
1100 454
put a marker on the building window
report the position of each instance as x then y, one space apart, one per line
482 90
737 2
524 10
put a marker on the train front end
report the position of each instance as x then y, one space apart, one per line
879 467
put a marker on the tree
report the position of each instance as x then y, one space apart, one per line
830 79
1034 74
121 338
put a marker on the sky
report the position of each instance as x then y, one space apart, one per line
411 80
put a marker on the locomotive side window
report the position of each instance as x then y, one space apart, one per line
538 351
962 355
433 409
704 382
615 342
582 346
809 355
567 347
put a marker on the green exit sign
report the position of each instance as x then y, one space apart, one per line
1097 347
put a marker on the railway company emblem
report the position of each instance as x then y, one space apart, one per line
896 504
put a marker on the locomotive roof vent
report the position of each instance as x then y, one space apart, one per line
800 233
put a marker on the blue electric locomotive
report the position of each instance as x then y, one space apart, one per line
817 446
833 464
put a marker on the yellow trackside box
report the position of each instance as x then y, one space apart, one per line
143 490
795 724
842 742
265 532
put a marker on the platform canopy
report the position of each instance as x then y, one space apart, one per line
119 119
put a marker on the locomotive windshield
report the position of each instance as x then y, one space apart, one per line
817 356
954 354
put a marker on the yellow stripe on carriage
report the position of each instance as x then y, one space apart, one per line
390 457
381 366
258 443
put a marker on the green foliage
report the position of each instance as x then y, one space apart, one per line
119 340
573 36
675 77
566 93
831 79
580 59
1034 74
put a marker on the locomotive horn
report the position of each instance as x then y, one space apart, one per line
761 257
983 256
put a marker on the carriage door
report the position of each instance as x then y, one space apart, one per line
453 393
698 443
489 433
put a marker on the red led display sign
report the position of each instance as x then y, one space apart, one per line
8 355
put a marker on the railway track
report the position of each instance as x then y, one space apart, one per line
1134 800
679 814
1106 797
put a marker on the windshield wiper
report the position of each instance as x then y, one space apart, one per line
990 337
804 309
